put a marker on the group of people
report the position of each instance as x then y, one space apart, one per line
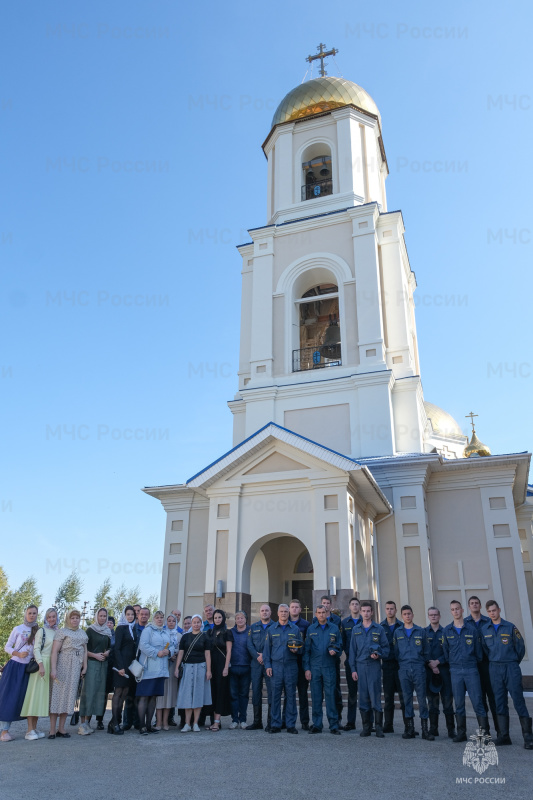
154 668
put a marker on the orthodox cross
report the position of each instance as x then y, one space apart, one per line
463 586
472 415
322 54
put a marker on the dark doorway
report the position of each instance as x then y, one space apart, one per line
303 591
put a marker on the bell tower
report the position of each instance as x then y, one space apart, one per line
328 338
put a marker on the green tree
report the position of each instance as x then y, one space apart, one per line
122 597
68 594
13 603
103 597
152 602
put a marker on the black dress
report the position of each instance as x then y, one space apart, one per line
220 685
125 651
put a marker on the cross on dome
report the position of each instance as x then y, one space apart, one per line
322 54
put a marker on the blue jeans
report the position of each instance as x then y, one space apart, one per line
239 680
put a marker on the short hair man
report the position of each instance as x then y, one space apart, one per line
462 650
347 626
323 644
412 651
367 646
256 644
295 616
325 600
438 678
177 614
390 670
487 694
208 614
504 645
283 642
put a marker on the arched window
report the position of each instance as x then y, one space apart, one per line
317 172
304 564
320 333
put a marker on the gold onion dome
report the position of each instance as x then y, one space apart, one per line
322 94
476 448
442 422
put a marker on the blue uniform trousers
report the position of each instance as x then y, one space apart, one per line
352 694
391 686
507 677
284 676
413 679
303 701
466 679
239 681
445 694
258 676
324 681
369 680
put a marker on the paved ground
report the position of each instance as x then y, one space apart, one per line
246 765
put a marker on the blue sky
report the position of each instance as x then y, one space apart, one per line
131 167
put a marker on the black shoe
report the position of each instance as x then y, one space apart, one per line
62 735
118 731
152 730
111 728
143 731
255 726
425 732
312 729
367 723
335 732
460 736
527 733
348 727
378 716
503 727
305 726
274 730
409 732
100 725
292 730
52 736
172 724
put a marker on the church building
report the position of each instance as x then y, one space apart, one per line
342 478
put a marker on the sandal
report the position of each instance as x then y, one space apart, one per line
215 726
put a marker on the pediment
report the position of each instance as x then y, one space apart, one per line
276 462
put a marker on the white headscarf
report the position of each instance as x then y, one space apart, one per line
124 621
104 630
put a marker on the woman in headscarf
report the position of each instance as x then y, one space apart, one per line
93 695
155 647
168 700
37 699
14 680
125 652
195 684
221 644
67 663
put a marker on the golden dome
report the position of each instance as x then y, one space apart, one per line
322 94
476 448
442 422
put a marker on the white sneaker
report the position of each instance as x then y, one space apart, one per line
233 726
31 736
40 734
243 725
82 730
196 728
186 728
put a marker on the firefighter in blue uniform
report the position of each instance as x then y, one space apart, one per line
504 645
439 684
347 626
256 642
325 600
295 616
367 646
323 644
390 671
463 652
283 644
487 694
412 651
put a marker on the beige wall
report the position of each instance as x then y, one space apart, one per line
329 239
389 585
415 586
511 599
196 551
332 423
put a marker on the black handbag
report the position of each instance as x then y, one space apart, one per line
180 668
32 665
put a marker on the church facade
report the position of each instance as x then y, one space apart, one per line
342 479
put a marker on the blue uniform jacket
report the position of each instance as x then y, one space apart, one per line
464 649
347 626
389 634
318 643
413 650
302 625
435 641
364 643
503 645
256 638
276 649
477 624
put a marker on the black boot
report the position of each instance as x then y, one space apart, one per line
434 723
526 723
257 724
388 727
378 716
405 725
503 728
367 723
425 733
460 736
450 724
269 720
409 732
100 724
483 723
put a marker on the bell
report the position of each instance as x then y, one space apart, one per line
310 177
324 172
331 346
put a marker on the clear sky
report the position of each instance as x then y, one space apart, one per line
132 166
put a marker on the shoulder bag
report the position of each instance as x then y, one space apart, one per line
180 670
32 665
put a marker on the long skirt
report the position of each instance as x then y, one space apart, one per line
37 700
169 699
13 685
194 691
94 689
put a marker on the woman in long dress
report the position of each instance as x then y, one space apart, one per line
67 663
93 695
123 682
168 700
221 644
195 684
37 699
14 680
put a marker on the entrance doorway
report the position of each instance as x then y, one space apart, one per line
303 591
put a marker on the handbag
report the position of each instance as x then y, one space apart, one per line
180 668
32 665
75 718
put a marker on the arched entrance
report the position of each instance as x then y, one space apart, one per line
278 568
